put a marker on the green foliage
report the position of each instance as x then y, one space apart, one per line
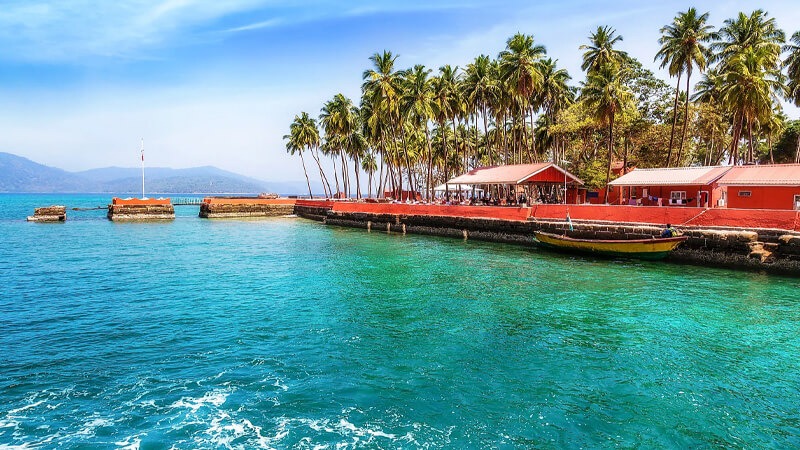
652 95
593 174
785 150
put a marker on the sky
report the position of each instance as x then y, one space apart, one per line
218 82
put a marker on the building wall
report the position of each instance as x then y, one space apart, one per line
763 197
550 175
695 195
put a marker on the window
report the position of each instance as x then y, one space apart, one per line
797 202
745 193
677 195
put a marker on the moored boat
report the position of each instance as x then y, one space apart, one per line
653 248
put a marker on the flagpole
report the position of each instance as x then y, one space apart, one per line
143 197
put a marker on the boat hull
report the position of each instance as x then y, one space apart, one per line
650 249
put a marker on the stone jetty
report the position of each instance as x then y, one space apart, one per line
231 207
137 209
55 213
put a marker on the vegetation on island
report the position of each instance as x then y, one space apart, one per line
413 129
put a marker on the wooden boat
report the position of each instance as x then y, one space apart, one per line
653 248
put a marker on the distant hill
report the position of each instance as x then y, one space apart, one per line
18 174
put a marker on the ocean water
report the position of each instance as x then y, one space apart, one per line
286 333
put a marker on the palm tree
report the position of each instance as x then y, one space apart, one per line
681 49
480 87
520 71
749 52
748 32
555 94
339 118
601 52
606 95
301 137
750 91
417 103
382 88
370 165
445 102
792 64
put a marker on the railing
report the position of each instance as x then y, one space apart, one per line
181 201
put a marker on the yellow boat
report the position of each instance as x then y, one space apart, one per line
653 248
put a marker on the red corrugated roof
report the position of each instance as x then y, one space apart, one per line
766 175
509 174
678 176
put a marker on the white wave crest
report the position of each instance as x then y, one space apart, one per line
214 398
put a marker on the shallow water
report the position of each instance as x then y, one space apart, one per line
284 332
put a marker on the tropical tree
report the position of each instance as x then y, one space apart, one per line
792 64
521 73
682 48
293 146
339 119
446 102
417 104
748 55
600 52
303 134
554 95
369 165
606 96
382 89
750 90
480 87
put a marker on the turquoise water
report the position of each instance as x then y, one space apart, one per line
285 333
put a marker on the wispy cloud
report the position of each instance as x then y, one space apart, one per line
270 23
68 31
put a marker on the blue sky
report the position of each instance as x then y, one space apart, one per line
219 82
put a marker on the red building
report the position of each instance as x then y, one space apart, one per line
533 178
763 187
680 186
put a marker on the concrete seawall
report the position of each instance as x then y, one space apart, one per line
222 207
136 210
769 250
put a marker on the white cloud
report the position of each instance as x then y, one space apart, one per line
69 31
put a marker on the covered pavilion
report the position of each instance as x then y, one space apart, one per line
541 182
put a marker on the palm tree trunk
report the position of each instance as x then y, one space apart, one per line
533 138
369 183
345 175
429 187
733 157
326 185
383 161
769 144
486 136
610 153
477 138
750 155
674 118
303 161
411 186
336 178
685 119
358 182
797 150
455 140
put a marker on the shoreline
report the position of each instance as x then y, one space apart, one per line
771 250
